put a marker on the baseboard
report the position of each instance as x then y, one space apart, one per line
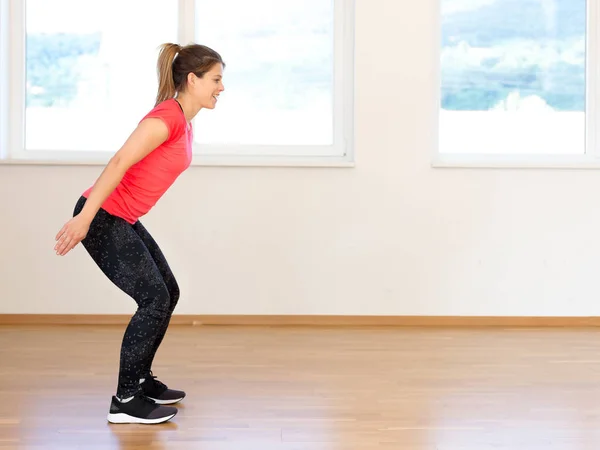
310 320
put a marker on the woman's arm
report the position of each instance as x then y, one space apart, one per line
148 135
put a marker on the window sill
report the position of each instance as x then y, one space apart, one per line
470 161
202 162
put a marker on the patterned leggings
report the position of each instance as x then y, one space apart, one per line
128 255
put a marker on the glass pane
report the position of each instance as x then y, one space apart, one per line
513 76
91 69
279 75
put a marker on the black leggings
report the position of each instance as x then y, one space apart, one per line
131 259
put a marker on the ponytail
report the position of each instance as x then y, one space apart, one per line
166 83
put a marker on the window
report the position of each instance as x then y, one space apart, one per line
89 81
518 81
77 88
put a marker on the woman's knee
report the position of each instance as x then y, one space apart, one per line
157 306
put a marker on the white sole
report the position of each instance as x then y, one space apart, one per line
166 402
126 418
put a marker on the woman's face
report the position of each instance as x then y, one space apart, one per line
206 90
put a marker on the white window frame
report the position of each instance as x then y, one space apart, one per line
4 90
589 160
12 103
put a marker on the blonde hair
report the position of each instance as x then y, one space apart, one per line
176 62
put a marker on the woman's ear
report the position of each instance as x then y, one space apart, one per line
191 78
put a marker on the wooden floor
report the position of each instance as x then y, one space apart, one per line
310 388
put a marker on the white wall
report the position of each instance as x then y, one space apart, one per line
390 236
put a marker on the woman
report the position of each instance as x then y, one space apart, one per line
106 222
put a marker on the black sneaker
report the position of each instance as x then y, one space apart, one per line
139 409
159 392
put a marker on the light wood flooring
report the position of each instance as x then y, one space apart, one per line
303 388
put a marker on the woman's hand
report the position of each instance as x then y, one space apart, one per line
71 234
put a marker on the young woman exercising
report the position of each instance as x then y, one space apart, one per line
106 222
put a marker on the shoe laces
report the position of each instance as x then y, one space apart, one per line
157 382
141 396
